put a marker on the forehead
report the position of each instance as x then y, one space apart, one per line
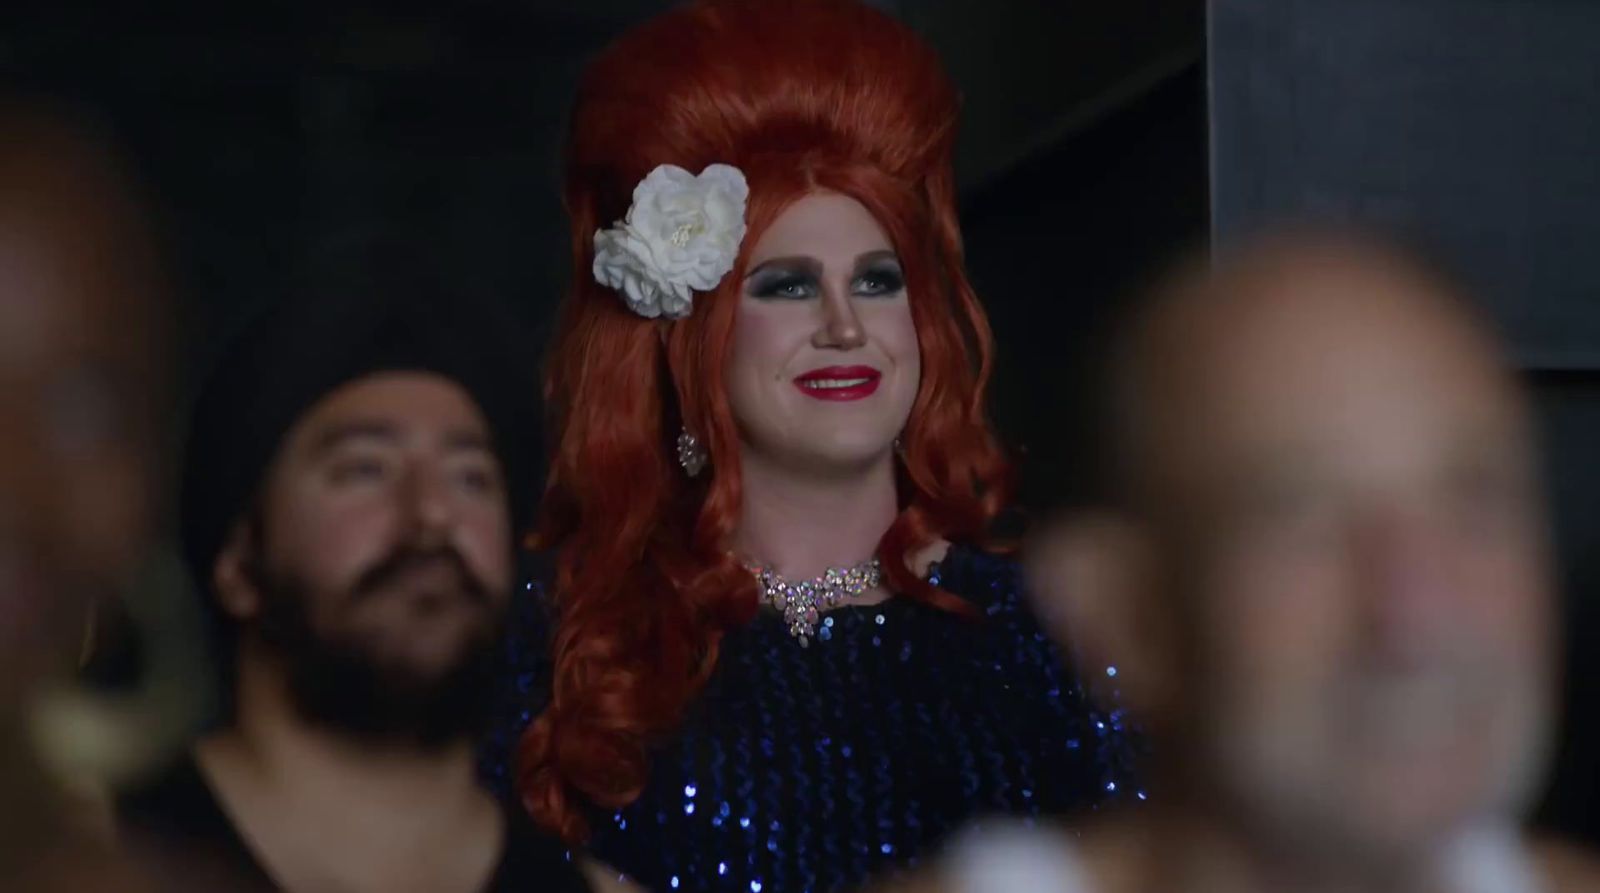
416 401
1344 360
824 225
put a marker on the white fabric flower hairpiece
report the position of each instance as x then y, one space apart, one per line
681 235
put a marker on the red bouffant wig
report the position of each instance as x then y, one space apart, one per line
802 95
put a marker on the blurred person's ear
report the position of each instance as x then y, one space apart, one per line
1095 583
231 577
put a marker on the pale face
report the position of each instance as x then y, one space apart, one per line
825 366
386 509
1362 542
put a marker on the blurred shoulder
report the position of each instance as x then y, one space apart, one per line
1566 866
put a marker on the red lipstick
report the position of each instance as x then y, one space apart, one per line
839 382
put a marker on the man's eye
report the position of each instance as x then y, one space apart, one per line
479 480
358 470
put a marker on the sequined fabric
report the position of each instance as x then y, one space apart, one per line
811 769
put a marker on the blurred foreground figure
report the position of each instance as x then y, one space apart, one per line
1323 574
81 389
353 480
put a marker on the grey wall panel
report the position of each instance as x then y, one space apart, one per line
1475 123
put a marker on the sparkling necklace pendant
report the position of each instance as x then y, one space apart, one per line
803 601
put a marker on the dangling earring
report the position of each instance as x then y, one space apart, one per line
691 455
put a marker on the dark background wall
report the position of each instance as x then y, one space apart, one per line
278 134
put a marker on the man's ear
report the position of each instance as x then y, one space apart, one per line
1095 583
231 579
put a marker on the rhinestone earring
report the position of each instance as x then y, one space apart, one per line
691 455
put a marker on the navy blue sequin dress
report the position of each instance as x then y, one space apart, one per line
812 769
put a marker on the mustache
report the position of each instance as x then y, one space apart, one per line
407 559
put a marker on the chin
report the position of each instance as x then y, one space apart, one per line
425 649
846 454
430 655
1386 809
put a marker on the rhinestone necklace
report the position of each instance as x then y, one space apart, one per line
803 601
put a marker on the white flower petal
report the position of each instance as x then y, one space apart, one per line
728 177
663 177
677 301
681 235
642 297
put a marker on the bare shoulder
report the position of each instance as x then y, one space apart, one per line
1567 867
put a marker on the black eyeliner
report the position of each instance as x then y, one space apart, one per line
768 283
887 272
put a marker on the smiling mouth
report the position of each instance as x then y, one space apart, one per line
839 382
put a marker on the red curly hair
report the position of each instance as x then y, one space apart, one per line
802 95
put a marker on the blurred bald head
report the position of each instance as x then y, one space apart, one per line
1331 473
81 378
1323 336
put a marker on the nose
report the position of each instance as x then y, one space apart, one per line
427 506
841 327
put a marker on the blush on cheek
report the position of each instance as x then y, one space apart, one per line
766 340
890 327
765 337
899 339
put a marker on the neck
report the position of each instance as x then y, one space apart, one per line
313 764
321 811
802 524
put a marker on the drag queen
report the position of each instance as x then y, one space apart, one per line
774 654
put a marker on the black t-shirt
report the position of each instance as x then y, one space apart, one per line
176 825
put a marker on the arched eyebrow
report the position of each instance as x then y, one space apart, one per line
798 263
878 256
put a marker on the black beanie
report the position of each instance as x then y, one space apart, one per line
327 334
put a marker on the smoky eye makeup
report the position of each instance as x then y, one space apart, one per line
779 280
876 275
879 277
780 285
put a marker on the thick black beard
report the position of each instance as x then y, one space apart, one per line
337 683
